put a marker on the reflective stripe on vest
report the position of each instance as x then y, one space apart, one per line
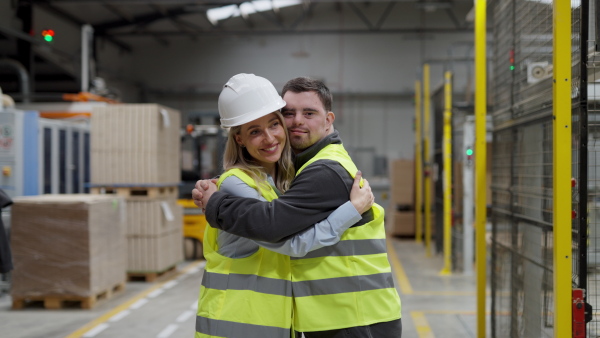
332 286
235 281
349 248
208 327
350 283
249 297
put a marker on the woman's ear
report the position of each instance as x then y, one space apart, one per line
238 140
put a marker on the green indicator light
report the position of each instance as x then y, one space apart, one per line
512 67
469 152
48 38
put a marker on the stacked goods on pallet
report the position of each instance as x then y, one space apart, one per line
135 154
135 144
401 216
154 234
67 248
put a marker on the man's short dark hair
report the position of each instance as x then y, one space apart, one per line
306 84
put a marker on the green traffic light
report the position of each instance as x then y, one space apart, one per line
48 38
469 152
512 67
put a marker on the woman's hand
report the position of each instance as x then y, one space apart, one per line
362 198
202 192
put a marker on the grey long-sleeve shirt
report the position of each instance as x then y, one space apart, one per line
324 233
314 194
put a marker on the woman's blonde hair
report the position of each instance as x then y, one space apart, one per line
238 157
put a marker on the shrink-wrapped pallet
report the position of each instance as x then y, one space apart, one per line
154 234
135 144
67 245
153 217
149 254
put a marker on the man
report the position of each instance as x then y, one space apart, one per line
345 290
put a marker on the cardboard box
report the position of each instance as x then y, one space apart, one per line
153 217
154 253
67 245
402 223
402 183
135 144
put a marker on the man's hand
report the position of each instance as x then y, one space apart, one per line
203 191
361 198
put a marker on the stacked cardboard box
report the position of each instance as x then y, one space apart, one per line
135 144
67 245
135 153
154 234
401 215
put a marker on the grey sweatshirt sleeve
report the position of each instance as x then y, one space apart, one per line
320 189
231 245
324 233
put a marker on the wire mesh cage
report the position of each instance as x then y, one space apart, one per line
522 167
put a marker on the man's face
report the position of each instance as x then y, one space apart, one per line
306 119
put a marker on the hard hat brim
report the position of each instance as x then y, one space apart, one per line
253 115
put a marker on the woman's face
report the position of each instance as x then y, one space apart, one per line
264 138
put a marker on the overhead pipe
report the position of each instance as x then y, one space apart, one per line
23 77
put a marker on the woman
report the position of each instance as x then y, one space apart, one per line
246 289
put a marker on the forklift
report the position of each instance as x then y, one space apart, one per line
202 148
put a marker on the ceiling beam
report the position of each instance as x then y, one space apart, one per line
384 15
307 9
117 11
361 15
145 19
453 17
211 33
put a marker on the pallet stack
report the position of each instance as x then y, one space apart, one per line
135 154
68 250
401 216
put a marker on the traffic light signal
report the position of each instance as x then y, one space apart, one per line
48 35
469 153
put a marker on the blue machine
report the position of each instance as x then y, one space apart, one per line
42 156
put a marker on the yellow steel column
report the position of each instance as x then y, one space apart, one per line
561 25
480 159
418 166
447 270
427 159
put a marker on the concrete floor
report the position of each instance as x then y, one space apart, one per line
432 305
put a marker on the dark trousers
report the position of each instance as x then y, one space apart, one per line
391 329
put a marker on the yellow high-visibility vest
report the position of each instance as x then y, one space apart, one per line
350 283
248 297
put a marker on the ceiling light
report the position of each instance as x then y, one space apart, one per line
247 8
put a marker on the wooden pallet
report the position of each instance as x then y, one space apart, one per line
150 276
128 192
65 301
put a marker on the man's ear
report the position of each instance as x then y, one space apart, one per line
329 118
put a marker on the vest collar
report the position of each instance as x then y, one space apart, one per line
303 157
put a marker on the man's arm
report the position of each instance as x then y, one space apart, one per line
314 194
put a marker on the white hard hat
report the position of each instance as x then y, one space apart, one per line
246 97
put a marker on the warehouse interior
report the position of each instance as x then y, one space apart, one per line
449 108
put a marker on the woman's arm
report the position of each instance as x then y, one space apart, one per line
325 233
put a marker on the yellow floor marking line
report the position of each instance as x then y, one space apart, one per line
401 277
105 317
421 324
